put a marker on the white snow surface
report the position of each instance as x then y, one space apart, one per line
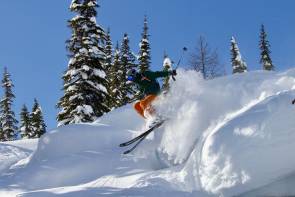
231 136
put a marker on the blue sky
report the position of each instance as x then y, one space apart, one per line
33 35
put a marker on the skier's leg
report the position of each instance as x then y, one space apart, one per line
139 109
146 104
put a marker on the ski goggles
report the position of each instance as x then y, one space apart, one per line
130 78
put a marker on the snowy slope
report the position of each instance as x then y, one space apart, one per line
251 150
13 152
229 136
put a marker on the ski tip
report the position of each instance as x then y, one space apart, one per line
126 152
121 145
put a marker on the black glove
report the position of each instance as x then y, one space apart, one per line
293 102
173 73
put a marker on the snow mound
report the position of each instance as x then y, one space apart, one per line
12 152
229 136
251 150
196 106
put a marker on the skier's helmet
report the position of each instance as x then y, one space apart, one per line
131 74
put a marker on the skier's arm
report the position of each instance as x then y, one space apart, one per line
136 79
164 73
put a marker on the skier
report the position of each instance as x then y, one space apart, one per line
149 88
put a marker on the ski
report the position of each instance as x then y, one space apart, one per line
133 140
138 142
142 135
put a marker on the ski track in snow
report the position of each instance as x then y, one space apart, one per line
217 142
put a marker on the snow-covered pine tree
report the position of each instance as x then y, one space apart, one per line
38 126
115 77
264 46
1 133
85 93
108 52
108 65
8 120
127 60
25 123
144 57
167 65
238 64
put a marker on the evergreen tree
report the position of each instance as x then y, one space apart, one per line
239 65
264 45
2 136
8 120
38 126
115 77
127 60
144 57
85 93
108 66
108 52
25 123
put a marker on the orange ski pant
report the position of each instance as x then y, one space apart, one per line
145 105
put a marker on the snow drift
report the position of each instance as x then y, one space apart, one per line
225 137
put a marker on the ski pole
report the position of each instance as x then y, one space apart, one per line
184 49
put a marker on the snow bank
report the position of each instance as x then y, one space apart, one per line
225 131
229 136
197 106
12 152
83 153
252 150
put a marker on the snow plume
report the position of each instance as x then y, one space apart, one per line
221 129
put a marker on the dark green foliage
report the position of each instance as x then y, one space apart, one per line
115 78
85 93
109 68
1 134
144 57
38 127
7 120
127 62
108 52
25 123
238 64
264 46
